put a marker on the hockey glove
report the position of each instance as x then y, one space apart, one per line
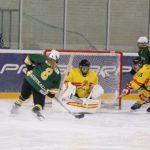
127 90
30 67
50 95
29 63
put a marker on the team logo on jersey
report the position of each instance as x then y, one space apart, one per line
85 83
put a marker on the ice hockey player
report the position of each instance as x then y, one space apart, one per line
144 49
143 52
81 86
140 82
42 78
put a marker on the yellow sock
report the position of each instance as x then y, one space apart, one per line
19 102
38 106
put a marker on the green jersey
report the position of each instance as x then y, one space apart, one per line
42 77
144 53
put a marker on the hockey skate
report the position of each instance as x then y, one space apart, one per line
136 106
37 113
148 109
147 101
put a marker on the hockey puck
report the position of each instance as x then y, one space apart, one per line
79 116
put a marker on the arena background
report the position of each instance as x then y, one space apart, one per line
73 24
12 71
70 24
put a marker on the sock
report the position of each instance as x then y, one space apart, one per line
19 101
38 107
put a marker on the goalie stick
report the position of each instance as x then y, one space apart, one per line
76 115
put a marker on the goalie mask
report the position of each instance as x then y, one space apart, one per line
84 66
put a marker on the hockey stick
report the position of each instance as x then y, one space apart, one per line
76 115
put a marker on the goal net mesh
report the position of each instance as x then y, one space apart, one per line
108 65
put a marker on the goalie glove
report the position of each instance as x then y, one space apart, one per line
96 92
127 90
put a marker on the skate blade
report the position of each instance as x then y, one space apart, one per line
39 117
14 112
12 115
134 111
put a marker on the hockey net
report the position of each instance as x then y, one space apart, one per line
108 65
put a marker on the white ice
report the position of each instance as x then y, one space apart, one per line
107 130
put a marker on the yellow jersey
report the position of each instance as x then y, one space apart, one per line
142 77
83 84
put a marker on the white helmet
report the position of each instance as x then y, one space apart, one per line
54 55
142 39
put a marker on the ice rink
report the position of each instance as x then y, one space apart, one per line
107 130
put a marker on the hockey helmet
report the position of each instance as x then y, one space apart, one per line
142 39
84 62
138 63
84 66
54 55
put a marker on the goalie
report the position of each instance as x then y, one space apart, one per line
81 88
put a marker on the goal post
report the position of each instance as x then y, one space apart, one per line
108 65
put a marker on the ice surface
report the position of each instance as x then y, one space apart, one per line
107 130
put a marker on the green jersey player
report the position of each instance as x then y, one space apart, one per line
143 52
42 78
144 49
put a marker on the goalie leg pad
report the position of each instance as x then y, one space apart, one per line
69 90
96 92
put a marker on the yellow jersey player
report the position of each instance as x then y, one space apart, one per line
140 82
83 84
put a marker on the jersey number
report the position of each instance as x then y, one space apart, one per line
46 73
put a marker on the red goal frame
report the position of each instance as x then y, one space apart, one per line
111 52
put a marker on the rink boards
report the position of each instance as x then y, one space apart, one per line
12 72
